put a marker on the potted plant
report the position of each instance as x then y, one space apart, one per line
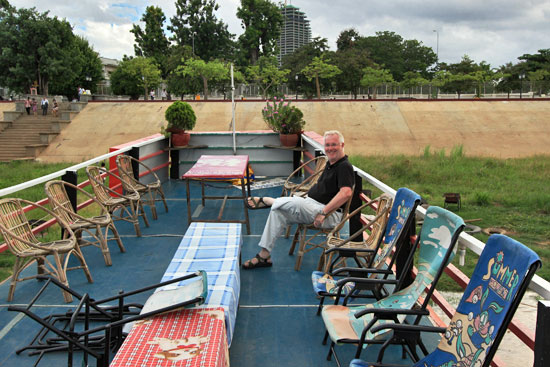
181 118
285 119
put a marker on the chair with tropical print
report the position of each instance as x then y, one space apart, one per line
150 192
400 221
497 285
354 325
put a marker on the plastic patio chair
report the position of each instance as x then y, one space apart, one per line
129 204
400 222
96 327
91 225
354 325
130 180
498 283
306 244
18 235
367 238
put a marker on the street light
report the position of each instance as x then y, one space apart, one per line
437 44
521 76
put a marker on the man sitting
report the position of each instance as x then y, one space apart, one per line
331 192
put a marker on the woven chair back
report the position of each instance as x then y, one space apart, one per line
59 200
94 174
126 173
15 227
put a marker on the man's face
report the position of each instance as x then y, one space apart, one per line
333 148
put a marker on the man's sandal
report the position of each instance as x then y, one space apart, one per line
262 263
259 204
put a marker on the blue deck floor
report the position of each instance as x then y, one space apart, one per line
276 321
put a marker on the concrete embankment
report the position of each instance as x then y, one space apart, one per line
484 128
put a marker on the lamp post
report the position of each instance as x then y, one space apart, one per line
193 42
437 44
521 76
296 79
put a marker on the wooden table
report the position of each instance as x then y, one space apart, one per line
210 168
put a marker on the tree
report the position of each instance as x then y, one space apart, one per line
178 84
319 69
299 59
34 47
462 75
266 74
261 21
152 42
212 70
196 25
413 80
351 61
86 68
374 77
135 76
509 80
4 4
347 39
536 78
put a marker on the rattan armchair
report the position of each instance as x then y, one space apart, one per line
92 225
367 238
129 204
18 235
149 192
291 187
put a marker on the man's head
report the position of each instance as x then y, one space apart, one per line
334 145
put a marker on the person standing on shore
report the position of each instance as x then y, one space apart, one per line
44 105
28 105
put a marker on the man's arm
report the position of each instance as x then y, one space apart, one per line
337 201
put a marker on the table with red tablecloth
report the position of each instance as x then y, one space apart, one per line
183 338
219 168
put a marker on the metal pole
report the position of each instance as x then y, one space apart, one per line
233 111
542 343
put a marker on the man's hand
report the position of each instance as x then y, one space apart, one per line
319 219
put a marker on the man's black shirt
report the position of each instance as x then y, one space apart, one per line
333 178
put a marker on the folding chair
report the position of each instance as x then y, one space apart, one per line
130 181
18 235
129 204
354 325
96 327
400 222
92 225
498 283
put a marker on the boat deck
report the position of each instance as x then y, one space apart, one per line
276 321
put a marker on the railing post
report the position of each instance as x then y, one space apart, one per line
355 221
72 178
174 164
542 343
134 153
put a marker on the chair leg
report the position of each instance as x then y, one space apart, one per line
321 302
80 256
325 338
161 193
103 246
116 236
62 275
16 270
301 249
151 203
287 231
140 211
294 240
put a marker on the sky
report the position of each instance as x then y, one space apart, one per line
496 32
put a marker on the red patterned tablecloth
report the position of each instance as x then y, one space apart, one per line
218 166
188 337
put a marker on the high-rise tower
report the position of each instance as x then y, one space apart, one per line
295 31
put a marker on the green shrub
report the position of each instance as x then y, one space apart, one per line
180 115
481 198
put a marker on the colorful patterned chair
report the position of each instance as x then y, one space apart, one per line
399 223
354 325
500 279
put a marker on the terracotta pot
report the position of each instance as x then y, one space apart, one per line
289 140
180 139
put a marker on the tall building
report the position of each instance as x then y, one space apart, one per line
295 31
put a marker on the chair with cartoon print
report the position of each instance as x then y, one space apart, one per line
498 283
128 167
400 222
355 325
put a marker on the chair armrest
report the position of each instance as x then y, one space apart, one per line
366 271
409 327
391 311
365 281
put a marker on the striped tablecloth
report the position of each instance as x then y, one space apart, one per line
214 248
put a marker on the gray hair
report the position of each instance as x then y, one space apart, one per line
334 132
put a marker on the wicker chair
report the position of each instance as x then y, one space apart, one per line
291 188
148 192
18 235
308 244
94 225
129 204
368 237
